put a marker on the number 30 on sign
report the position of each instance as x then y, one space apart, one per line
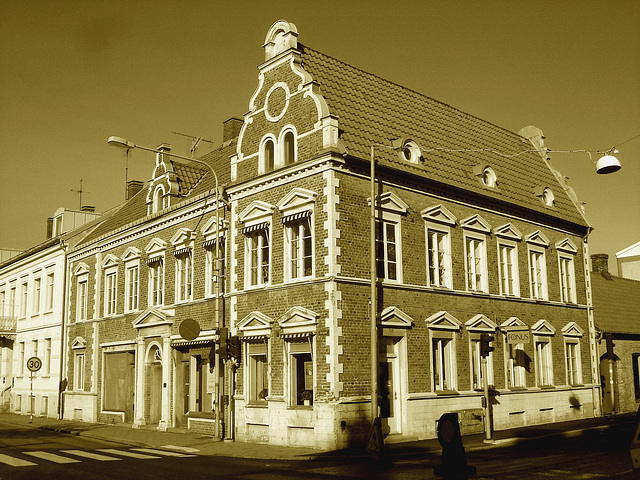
34 364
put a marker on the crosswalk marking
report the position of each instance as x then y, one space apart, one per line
126 453
162 452
181 449
14 462
91 455
52 457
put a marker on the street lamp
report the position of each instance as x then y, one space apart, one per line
127 145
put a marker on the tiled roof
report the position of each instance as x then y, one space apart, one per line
372 110
194 179
616 303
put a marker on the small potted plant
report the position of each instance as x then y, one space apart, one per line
306 397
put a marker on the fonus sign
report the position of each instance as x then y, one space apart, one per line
518 335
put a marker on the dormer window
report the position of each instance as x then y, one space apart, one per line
489 178
547 197
411 152
158 199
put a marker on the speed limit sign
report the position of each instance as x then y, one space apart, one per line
34 364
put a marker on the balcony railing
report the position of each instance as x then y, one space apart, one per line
7 324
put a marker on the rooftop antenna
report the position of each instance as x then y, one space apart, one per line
194 141
80 191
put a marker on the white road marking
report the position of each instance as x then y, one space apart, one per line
181 449
91 455
52 457
126 453
162 452
14 462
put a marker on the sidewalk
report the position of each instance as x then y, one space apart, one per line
190 442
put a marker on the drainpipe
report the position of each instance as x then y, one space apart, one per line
61 382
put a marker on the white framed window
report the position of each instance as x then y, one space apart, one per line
34 348
475 263
567 279
537 273
508 268
183 243
215 268
476 326
81 304
544 361
298 246
21 358
184 276
289 146
300 371
572 334
110 291
47 356
156 281
516 365
475 234
257 372
268 155
258 256
23 298
37 295
4 311
442 338
131 260
389 213
543 333
110 277
78 370
50 291
438 258
257 230
44 411
132 287
12 300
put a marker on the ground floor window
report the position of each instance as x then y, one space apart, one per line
257 373
44 411
443 352
572 354
635 363
300 372
544 362
476 364
516 366
198 383
78 371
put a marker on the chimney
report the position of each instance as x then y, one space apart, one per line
49 227
600 262
231 128
133 187
88 209
163 148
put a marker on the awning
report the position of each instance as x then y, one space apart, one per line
253 228
296 216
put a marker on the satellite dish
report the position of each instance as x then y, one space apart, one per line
189 329
608 164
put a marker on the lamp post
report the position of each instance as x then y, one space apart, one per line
126 145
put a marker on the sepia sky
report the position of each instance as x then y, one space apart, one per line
73 73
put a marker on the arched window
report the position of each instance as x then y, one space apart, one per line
158 203
269 155
289 148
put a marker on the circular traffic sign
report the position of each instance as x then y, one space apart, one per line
189 329
34 364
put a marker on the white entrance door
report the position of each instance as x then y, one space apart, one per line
389 385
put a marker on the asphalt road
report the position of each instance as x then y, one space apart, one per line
27 453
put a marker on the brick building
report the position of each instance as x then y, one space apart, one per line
476 233
616 303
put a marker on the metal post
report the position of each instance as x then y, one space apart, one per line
216 292
31 398
487 403
374 299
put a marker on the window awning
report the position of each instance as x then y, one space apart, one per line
156 259
257 226
296 216
182 251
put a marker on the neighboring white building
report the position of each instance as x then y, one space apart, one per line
629 262
32 286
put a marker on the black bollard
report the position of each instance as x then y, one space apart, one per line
454 458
